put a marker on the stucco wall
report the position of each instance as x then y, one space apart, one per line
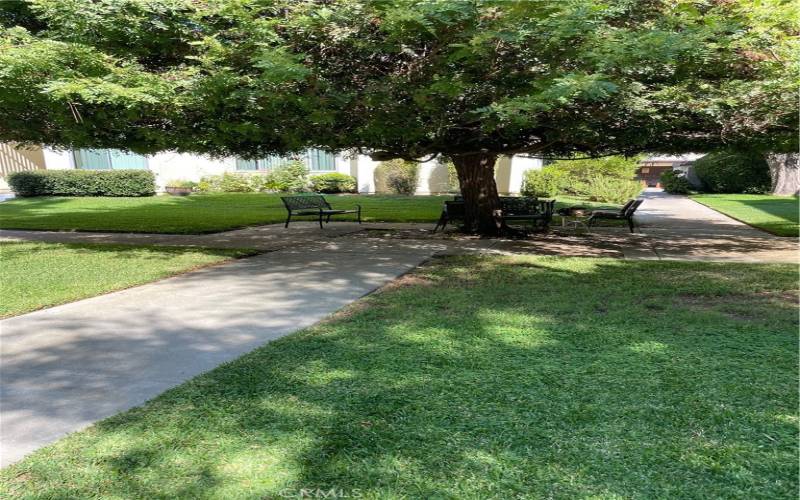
433 176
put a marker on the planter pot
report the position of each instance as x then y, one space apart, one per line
177 191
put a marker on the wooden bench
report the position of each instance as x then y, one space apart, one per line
316 205
625 213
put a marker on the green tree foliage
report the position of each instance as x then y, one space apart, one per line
401 78
732 171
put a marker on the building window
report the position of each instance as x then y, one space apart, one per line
267 163
645 170
106 159
316 160
319 160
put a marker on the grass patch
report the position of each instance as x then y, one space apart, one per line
201 213
480 378
775 214
37 275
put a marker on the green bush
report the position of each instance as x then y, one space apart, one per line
333 182
291 177
608 189
544 183
181 183
578 172
398 176
259 182
83 183
225 183
675 182
733 172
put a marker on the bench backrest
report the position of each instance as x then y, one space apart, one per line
454 209
306 201
517 205
626 206
547 206
632 208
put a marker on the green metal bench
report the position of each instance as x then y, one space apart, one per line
625 213
313 205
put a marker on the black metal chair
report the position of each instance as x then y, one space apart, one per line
315 205
625 213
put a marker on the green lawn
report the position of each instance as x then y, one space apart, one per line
481 378
195 214
200 213
37 275
775 214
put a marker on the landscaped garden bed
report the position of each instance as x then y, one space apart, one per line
478 378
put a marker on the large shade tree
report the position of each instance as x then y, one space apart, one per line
469 80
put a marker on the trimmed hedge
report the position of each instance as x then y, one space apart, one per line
334 182
83 183
732 171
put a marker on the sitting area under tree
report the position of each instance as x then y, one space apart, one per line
397 79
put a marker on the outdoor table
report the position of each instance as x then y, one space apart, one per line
575 221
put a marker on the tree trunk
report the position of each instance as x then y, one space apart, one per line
481 201
784 170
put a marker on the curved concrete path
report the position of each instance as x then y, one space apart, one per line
679 228
66 367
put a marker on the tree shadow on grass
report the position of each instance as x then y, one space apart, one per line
546 378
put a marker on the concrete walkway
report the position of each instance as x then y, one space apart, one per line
66 367
678 228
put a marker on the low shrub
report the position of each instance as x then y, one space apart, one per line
181 183
398 176
333 182
83 183
225 183
290 177
544 183
675 182
611 189
259 183
731 171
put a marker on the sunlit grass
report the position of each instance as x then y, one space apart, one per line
775 214
37 275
